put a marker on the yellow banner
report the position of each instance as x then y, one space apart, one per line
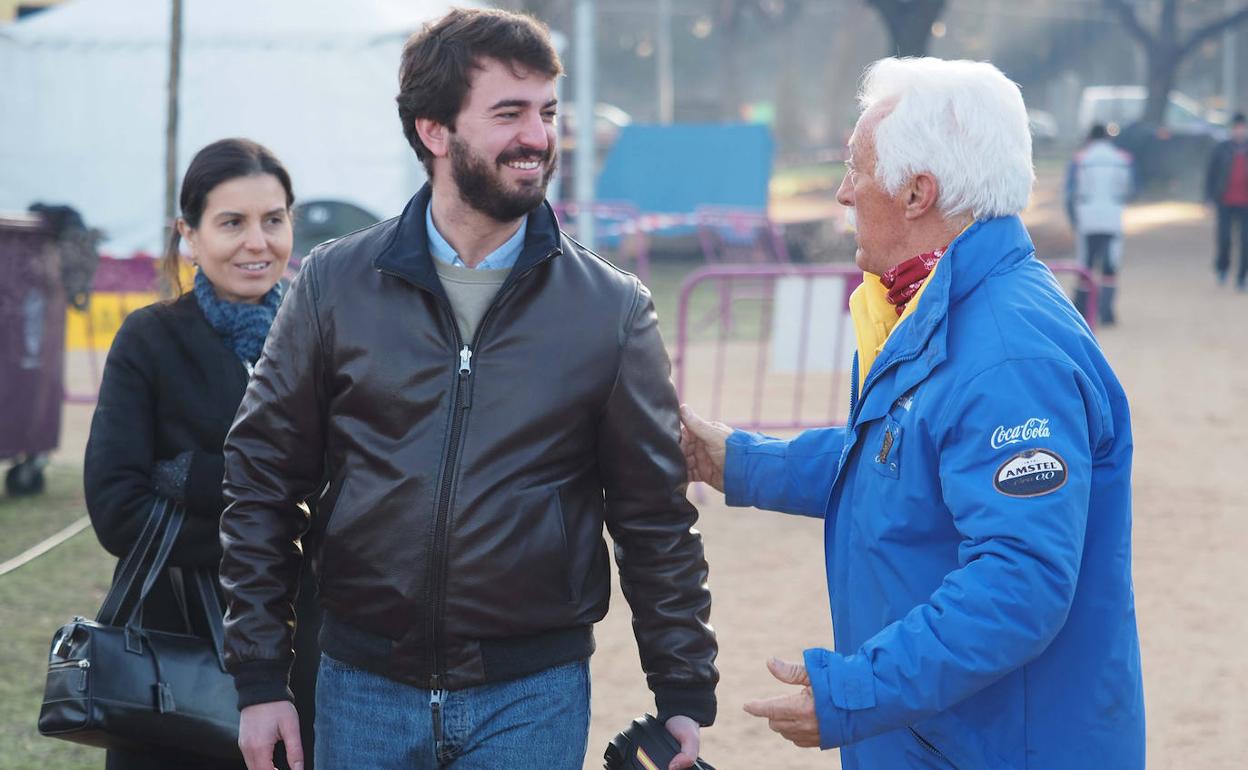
96 327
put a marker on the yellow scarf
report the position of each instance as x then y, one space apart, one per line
875 318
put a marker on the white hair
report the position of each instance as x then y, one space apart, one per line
963 122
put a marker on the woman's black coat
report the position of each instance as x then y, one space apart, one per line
171 385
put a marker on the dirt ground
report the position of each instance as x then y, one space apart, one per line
1180 351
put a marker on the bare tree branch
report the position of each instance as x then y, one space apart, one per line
1126 11
1213 28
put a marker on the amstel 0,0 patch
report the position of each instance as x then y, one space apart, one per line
1030 474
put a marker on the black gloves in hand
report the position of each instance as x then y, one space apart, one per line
169 477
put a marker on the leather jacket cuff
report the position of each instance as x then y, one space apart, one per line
697 703
262 681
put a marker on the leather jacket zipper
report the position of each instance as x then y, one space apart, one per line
441 527
442 515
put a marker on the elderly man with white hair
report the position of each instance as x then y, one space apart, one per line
977 506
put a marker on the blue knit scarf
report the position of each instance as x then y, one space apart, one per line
242 326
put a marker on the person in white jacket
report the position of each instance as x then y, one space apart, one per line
1099 183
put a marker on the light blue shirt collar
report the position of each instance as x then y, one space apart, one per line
502 258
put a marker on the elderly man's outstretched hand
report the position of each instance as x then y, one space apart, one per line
793 715
705 445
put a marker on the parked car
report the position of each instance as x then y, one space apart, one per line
1117 107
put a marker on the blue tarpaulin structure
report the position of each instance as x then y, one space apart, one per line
677 168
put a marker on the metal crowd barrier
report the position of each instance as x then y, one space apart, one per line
777 356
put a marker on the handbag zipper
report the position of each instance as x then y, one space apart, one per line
81 665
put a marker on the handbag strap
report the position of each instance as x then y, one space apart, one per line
173 526
135 565
179 595
211 604
147 559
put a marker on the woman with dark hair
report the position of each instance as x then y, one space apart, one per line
174 378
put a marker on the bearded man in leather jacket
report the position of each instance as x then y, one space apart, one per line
484 395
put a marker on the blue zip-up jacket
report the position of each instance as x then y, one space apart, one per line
977 514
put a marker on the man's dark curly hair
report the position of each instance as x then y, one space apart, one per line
435 72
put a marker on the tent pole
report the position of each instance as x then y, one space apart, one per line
585 155
171 118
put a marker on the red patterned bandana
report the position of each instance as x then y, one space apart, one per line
904 280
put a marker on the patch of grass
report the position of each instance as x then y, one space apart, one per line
26 521
35 600
804 180
666 278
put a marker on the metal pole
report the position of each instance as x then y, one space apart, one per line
171 118
1230 73
586 157
667 99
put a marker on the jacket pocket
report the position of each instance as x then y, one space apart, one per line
520 550
327 506
957 743
932 753
564 550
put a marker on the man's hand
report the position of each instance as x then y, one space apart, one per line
261 726
793 716
688 734
705 445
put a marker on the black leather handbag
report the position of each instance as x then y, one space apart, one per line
114 684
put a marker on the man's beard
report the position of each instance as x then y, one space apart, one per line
482 187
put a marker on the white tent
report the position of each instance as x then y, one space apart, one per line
83 94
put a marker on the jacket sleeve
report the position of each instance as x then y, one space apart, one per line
1018 562
273 464
120 456
786 475
663 571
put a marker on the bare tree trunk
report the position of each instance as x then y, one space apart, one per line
1163 69
909 23
1166 50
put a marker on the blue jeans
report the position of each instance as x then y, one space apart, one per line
366 720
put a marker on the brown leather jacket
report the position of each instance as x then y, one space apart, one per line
469 480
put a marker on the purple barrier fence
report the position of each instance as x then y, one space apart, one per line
739 236
136 274
734 377
740 337
1086 280
614 221
734 235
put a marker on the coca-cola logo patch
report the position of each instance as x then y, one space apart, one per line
1031 473
1004 435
